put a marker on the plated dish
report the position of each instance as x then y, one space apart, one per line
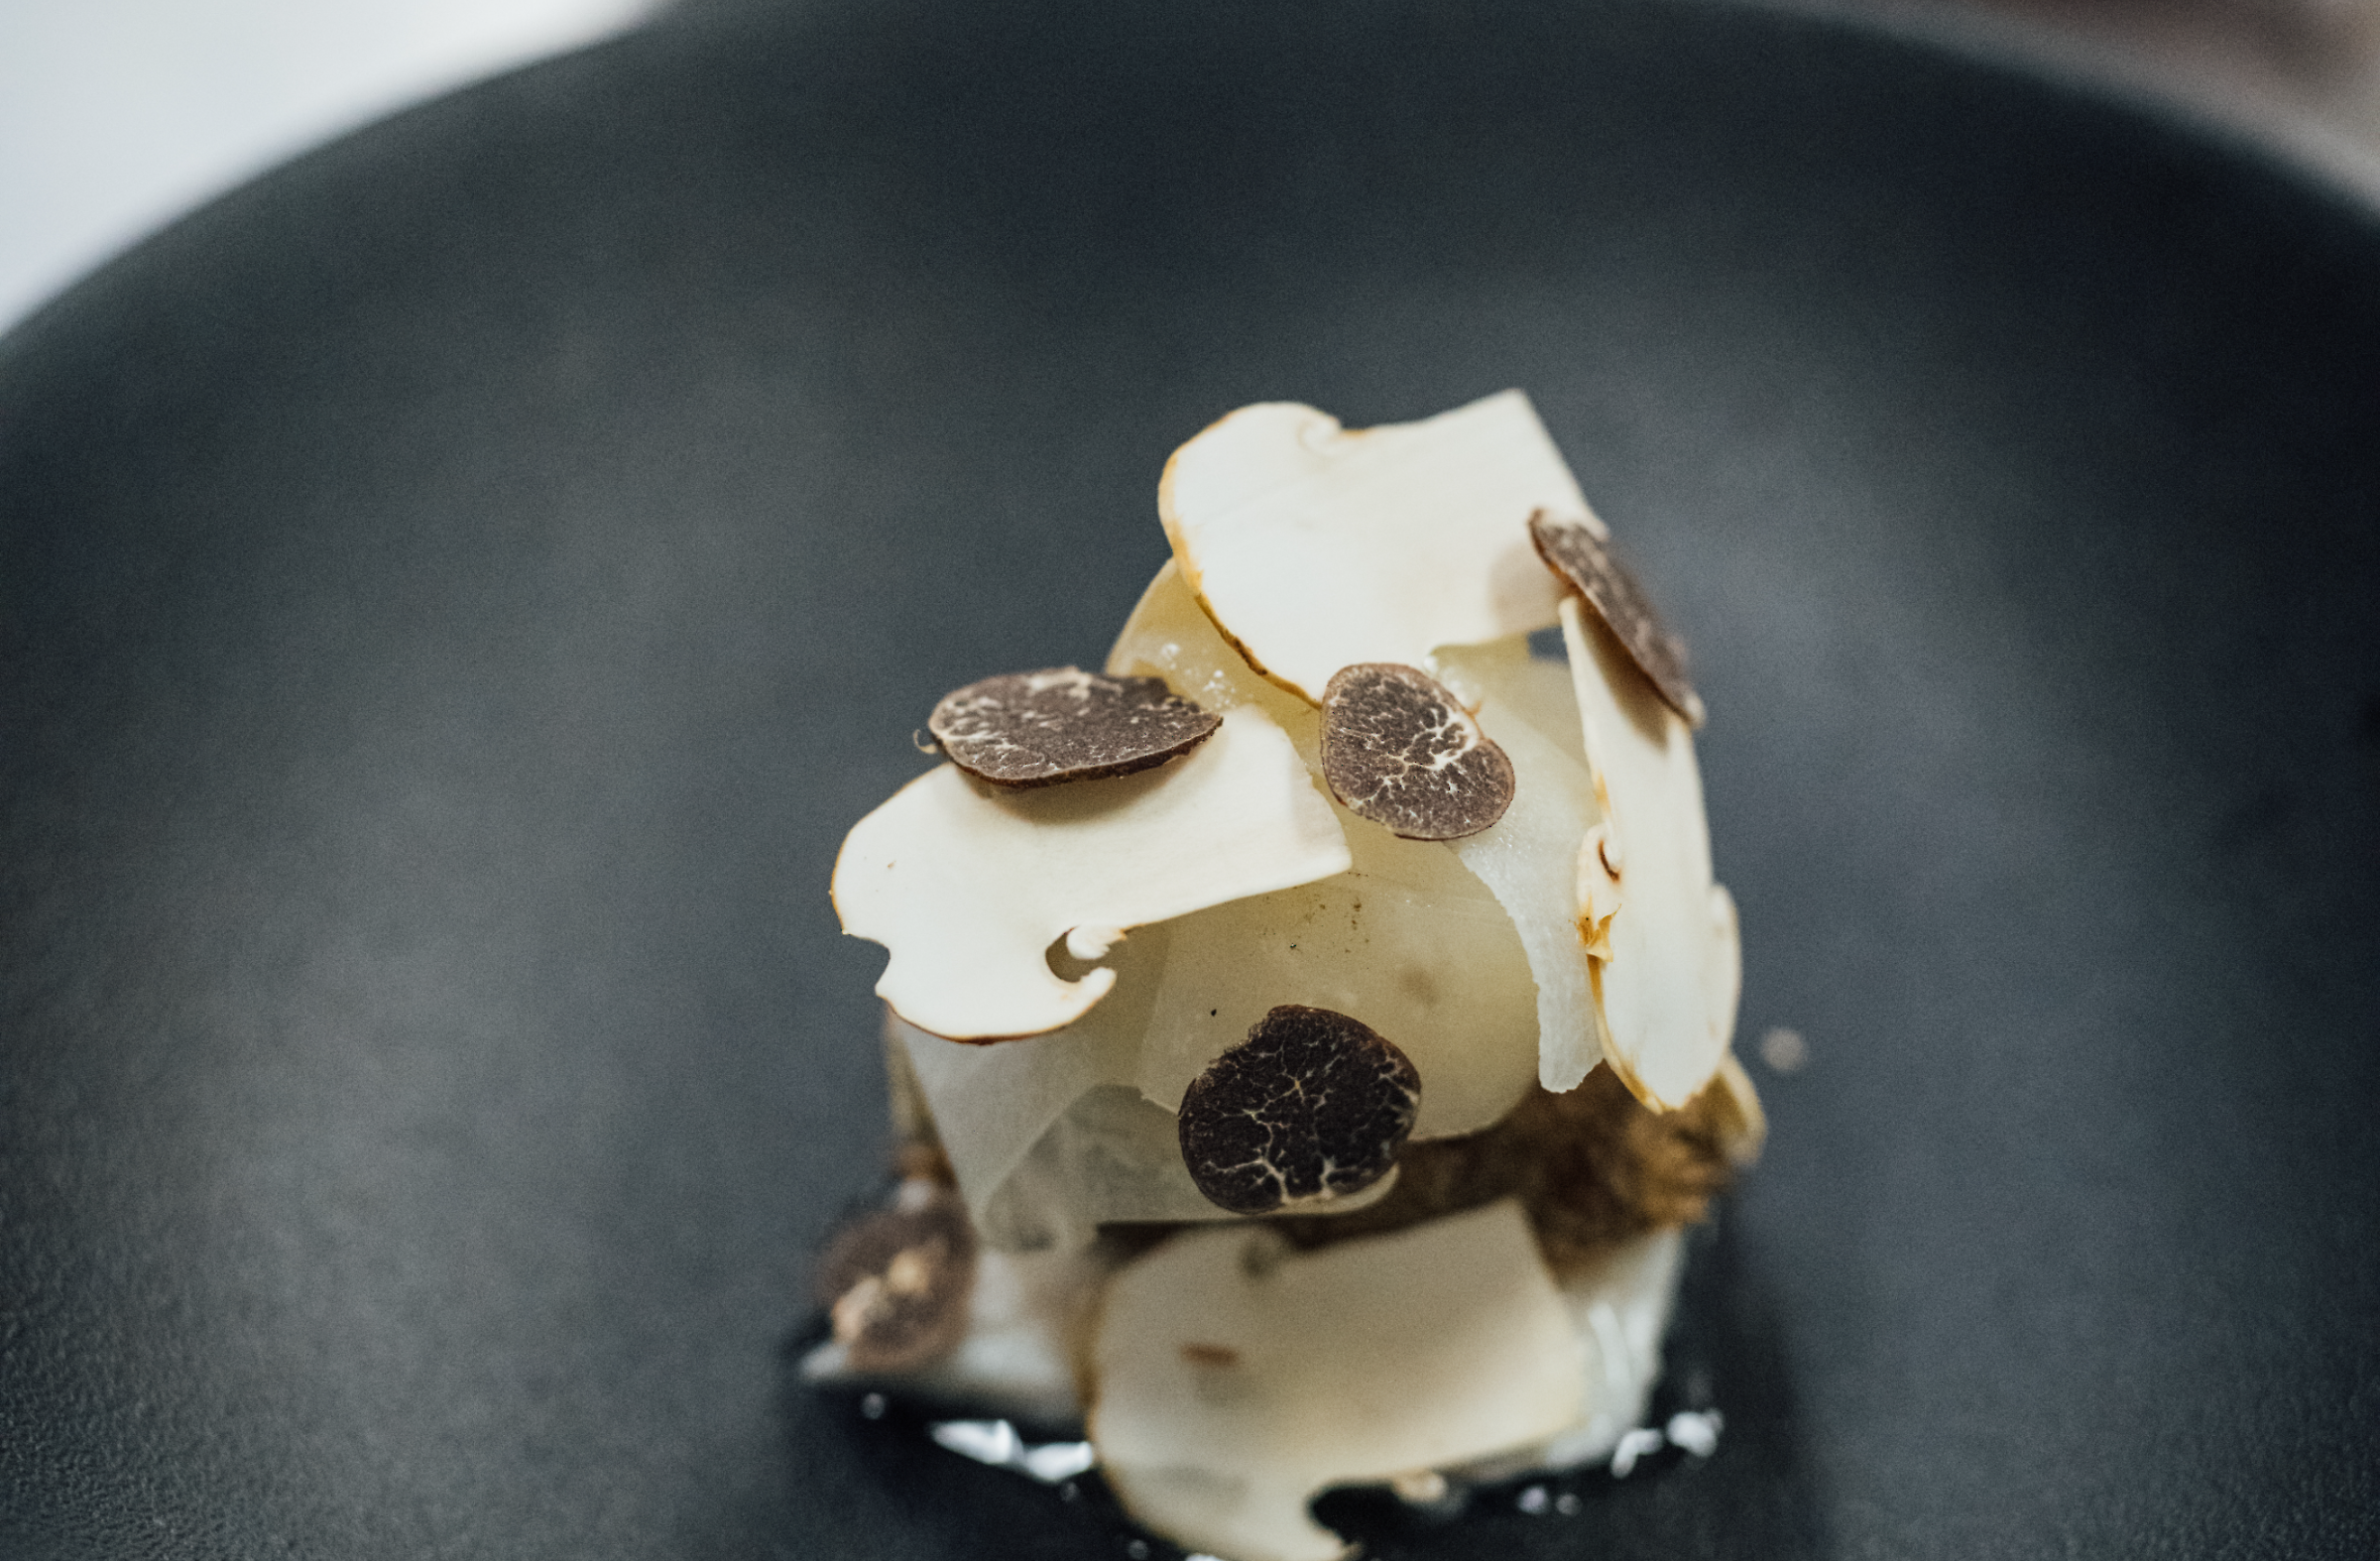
459 593
1308 1036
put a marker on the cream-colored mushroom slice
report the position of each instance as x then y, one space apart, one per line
969 887
1619 1309
1668 951
1315 547
1170 635
990 1104
1529 858
1231 1380
1406 942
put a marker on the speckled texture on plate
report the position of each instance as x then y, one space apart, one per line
457 591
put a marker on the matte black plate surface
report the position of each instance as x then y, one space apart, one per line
457 591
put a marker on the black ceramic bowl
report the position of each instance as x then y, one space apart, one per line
457 591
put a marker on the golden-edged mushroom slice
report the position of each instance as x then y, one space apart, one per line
1231 1380
969 889
1316 547
1666 993
1169 635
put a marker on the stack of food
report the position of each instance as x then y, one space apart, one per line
1308 1034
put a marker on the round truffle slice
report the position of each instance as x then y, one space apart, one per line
1400 749
1028 729
1586 560
1313 1106
896 1283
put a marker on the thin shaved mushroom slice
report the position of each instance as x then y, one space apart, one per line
1060 724
1407 940
1619 1307
1530 859
969 889
1599 897
1169 635
1576 549
1399 750
1315 547
1655 991
990 1104
1310 1108
1233 1381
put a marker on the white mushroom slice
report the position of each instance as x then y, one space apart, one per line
1618 1307
990 1104
1656 992
1231 1380
1600 898
1405 942
1170 635
1315 547
969 887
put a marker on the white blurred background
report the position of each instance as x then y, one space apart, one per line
118 115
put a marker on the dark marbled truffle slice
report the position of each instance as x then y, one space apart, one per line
1312 1106
1026 729
1585 561
1400 749
896 1282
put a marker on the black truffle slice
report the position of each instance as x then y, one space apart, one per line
1027 729
896 1282
1402 750
1312 1106
1586 562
